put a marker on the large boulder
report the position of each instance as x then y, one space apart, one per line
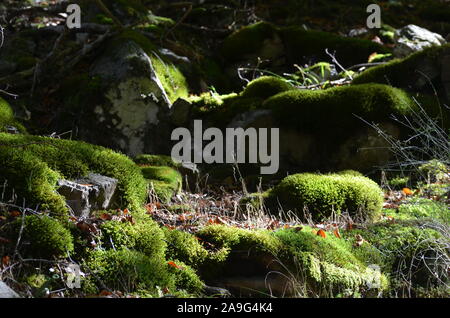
413 38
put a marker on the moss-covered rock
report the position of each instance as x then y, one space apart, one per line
7 117
266 41
42 237
266 86
165 181
414 254
325 194
33 165
128 270
185 247
156 160
144 236
314 264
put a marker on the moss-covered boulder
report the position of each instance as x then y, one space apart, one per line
416 255
32 166
266 86
269 41
322 195
7 120
418 73
295 262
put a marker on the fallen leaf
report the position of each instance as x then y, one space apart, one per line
15 213
106 216
172 263
321 233
407 191
6 260
336 233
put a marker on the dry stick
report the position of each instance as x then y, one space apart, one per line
333 57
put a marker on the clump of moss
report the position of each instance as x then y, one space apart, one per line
335 106
144 236
186 278
156 160
165 181
128 270
332 263
42 237
350 172
308 43
402 72
7 117
420 208
34 164
266 86
412 253
323 194
185 247
248 40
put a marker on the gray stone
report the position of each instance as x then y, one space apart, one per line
7 292
180 112
134 98
95 192
413 38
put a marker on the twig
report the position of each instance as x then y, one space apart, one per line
335 61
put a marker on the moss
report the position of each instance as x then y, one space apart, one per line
185 247
165 181
335 106
266 86
248 40
144 236
323 194
156 160
402 72
350 173
186 278
128 270
7 117
421 208
308 43
172 79
331 262
42 237
411 253
34 164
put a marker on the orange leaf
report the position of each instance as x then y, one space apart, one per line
6 260
407 191
105 293
336 233
125 212
105 216
171 263
15 213
321 233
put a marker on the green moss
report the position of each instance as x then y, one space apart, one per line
156 160
128 270
420 208
248 40
144 236
323 194
172 79
350 173
337 106
33 165
7 117
42 237
400 72
185 247
349 51
165 181
186 278
412 253
266 86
